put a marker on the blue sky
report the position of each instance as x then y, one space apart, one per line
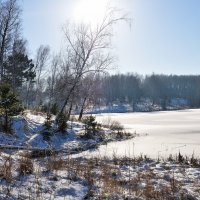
164 37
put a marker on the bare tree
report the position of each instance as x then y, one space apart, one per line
88 92
42 57
52 79
9 28
87 49
19 46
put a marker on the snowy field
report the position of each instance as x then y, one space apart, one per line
85 175
160 133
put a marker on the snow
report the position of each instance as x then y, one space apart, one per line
70 180
144 105
42 185
160 133
28 133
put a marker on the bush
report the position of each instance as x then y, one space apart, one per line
6 170
116 126
91 126
55 163
194 161
54 109
46 132
25 166
48 122
42 108
9 106
180 158
61 122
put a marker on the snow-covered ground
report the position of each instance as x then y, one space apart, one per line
161 133
28 131
80 176
62 178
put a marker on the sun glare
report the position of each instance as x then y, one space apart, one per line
89 11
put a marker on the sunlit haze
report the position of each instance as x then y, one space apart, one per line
89 11
164 37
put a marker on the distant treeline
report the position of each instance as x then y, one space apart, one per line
161 89
73 79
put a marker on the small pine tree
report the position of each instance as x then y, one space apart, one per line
91 126
61 121
9 106
180 158
46 132
48 122
54 109
43 108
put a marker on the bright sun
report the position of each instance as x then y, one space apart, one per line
90 11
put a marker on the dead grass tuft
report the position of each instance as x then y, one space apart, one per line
55 163
25 166
6 169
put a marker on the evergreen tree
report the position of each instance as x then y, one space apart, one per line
48 122
54 109
9 106
61 122
19 68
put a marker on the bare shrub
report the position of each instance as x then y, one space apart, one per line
55 163
116 126
73 118
6 169
25 166
194 161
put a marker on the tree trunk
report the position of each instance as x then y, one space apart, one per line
70 110
82 109
6 122
1 63
67 98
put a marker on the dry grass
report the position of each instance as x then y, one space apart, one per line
6 169
55 163
106 178
25 166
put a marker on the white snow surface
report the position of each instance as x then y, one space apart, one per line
160 133
64 183
27 132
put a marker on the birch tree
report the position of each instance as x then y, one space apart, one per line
88 48
9 28
42 57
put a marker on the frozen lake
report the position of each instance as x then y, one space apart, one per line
161 133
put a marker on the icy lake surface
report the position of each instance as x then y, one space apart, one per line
161 133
